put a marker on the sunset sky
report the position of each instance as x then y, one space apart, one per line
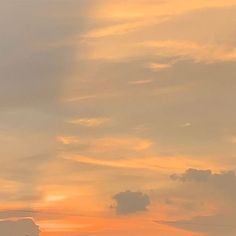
118 117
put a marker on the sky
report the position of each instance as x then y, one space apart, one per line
118 117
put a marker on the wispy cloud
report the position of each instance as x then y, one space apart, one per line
90 122
80 98
140 82
191 50
106 144
158 66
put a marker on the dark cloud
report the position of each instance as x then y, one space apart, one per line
219 180
20 228
193 175
206 188
131 202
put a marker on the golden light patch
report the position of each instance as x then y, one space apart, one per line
67 139
55 198
158 66
90 122
116 143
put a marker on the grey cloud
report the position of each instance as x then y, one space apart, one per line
205 188
131 202
34 64
33 71
22 213
17 213
193 175
213 225
20 228
219 180
222 185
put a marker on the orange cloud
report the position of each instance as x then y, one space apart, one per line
115 143
192 50
119 18
67 139
109 143
90 122
143 9
165 164
158 66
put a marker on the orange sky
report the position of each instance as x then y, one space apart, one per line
118 114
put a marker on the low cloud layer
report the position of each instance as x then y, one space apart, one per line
214 194
19 228
131 202
193 175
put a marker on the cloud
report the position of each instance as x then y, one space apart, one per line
131 202
217 179
158 66
31 89
29 213
16 213
154 30
213 225
67 140
43 84
108 144
204 52
214 194
80 98
193 175
221 186
20 228
187 124
129 143
149 9
114 30
195 51
141 82
90 122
